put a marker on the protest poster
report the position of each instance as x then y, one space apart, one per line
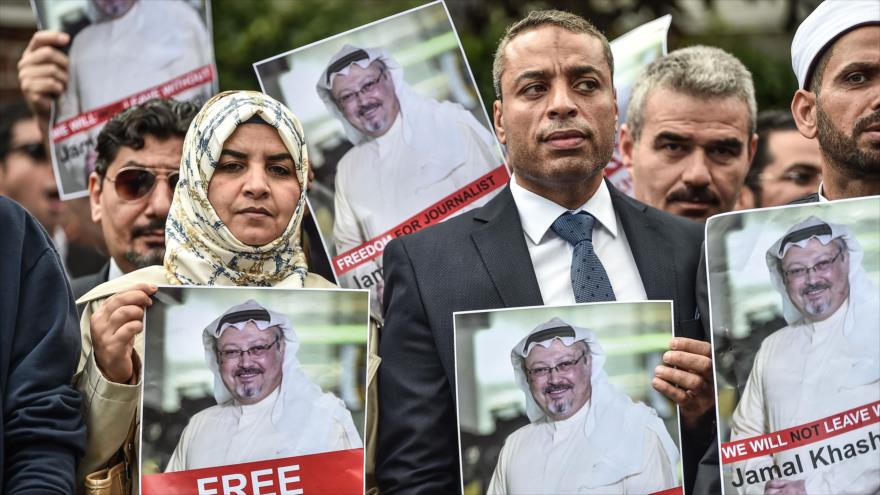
795 313
398 137
632 52
254 390
523 380
122 53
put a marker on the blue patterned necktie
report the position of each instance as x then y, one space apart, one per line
588 278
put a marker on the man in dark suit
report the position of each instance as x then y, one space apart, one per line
556 113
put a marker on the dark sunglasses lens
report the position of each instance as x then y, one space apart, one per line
36 151
173 179
134 184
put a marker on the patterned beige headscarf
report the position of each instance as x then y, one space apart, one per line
200 249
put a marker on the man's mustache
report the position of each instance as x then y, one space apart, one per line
150 227
694 195
863 123
813 287
248 370
569 125
557 387
366 108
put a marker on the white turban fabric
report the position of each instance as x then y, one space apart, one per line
200 249
300 402
621 422
862 292
830 20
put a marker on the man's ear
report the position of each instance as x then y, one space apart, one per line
803 109
626 147
95 184
498 121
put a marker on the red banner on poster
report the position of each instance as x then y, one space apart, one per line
799 436
670 491
341 471
436 213
87 120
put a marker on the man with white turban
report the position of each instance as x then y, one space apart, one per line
826 361
266 407
410 151
585 436
836 59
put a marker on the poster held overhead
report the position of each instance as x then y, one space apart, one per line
121 54
398 136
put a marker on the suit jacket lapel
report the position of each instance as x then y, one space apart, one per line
652 250
502 247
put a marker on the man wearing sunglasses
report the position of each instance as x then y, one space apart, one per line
823 363
584 435
26 176
259 416
25 171
131 188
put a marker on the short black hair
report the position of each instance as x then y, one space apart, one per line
769 121
11 114
159 118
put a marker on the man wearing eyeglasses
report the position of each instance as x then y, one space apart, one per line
409 152
260 416
824 362
585 435
787 166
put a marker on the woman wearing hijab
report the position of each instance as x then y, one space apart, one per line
235 221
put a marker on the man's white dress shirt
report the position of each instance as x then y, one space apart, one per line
551 254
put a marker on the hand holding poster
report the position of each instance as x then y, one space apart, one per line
249 389
795 318
550 400
396 133
122 53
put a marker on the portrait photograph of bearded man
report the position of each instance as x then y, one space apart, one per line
227 382
398 137
559 400
796 323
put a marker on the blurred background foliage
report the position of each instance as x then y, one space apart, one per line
247 31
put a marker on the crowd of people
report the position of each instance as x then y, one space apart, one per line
215 195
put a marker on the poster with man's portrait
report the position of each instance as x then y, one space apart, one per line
254 389
795 313
559 400
121 53
397 135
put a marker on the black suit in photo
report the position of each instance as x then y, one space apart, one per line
480 260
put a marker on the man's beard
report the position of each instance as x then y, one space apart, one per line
249 390
580 166
153 256
816 308
843 152
562 405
